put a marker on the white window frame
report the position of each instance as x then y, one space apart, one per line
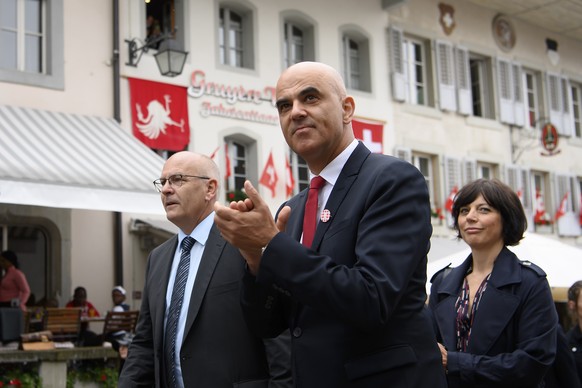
425 164
300 169
531 100
235 38
480 73
417 91
356 62
294 44
52 66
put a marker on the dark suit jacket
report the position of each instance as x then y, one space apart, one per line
354 301
218 350
513 337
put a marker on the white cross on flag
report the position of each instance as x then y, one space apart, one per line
370 133
269 176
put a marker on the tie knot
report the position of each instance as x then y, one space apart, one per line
188 243
317 183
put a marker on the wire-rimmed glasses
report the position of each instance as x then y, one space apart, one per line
175 180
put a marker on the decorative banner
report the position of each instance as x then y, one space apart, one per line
289 180
269 176
159 113
370 133
550 140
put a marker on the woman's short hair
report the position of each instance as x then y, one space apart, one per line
574 291
11 257
500 197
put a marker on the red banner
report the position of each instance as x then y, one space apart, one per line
370 133
269 176
159 114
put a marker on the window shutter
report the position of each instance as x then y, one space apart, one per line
526 197
506 91
464 96
518 95
555 100
398 77
403 153
469 171
445 76
567 114
452 175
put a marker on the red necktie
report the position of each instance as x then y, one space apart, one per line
309 218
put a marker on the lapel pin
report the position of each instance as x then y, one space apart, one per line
325 215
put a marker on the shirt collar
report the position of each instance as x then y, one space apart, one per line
331 172
200 232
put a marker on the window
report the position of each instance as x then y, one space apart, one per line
165 17
235 37
485 170
298 38
559 103
532 104
240 161
416 71
300 172
424 163
356 61
511 107
480 86
577 109
32 48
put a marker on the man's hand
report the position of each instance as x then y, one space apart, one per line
248 225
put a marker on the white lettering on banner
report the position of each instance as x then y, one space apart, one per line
207 109
232 94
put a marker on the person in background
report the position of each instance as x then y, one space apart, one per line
353 292
495 318
118 297
191 331
14 289
87 337
574 335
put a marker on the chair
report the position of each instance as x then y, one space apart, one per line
120 321
64 323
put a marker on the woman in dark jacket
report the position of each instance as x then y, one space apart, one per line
575 333
494 314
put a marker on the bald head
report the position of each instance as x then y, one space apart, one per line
327 73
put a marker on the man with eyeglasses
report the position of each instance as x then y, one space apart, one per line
191 331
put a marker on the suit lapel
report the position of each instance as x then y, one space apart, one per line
210 256
161 274
345 180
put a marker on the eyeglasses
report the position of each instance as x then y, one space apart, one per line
174 180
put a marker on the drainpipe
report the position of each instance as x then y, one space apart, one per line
117 229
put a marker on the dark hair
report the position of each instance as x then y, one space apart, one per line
11 257
574 291
500 197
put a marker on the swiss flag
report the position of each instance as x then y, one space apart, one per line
228 172
562 209
451 199
289 180
370 133
269 176
159 114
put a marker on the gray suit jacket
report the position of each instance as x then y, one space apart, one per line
218 348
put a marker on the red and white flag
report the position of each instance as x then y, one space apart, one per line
540 214
451 199
227 166
370 133
159 114
214 153
562 208
520 195
580 209
269 176
289 180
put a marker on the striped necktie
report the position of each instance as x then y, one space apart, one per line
175 308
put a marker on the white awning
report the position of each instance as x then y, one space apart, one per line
74 161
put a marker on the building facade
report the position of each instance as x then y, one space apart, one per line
457 89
